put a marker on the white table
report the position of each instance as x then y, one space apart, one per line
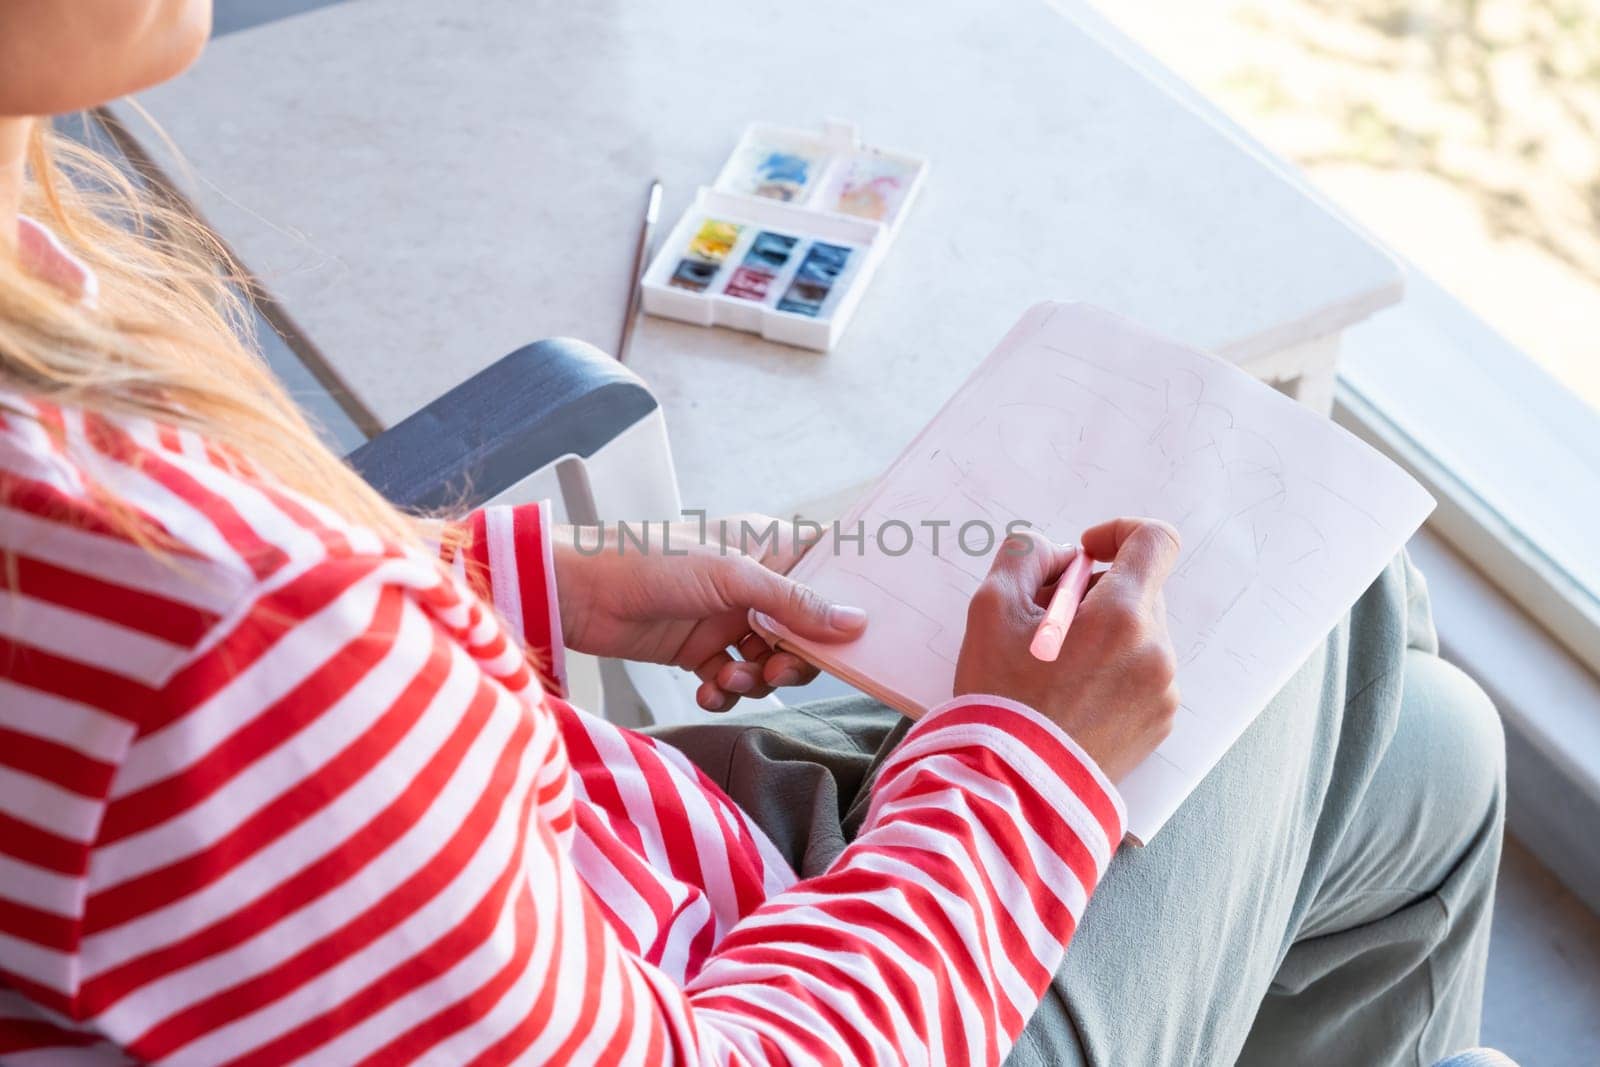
428 186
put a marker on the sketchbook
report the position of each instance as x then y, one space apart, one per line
1285 519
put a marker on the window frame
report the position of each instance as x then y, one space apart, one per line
1496 543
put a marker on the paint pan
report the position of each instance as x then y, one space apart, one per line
693 275
707 249
819 270
715 240
768 254
777 172
872 187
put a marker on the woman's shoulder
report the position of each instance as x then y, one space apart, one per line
116 521
163 488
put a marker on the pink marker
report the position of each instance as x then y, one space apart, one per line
1064 603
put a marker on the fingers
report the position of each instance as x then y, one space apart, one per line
725 679
757 673
1142 553
746 675
711 695
1024 567
770 669
795 606
786 669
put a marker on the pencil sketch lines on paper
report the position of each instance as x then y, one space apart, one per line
1357 507
1098 395
945 642
889 592
1115 372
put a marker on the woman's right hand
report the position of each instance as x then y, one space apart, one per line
1112 687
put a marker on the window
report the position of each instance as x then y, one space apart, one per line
1464 134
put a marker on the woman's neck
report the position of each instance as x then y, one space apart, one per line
14 133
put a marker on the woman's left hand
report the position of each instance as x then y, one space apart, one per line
687 602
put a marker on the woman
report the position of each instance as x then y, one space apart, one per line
278 783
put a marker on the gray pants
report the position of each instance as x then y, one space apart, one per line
1322 898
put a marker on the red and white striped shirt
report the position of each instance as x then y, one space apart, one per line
280 791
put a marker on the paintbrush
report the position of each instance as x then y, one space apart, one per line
641 256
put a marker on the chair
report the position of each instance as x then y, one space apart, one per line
556 419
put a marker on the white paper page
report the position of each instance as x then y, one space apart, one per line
1077 417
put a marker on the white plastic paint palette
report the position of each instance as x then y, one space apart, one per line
785 242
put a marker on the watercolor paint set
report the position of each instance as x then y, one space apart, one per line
786 240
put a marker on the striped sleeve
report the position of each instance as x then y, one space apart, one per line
507 557
934 936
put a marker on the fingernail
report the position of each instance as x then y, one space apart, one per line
723 702
787 676
740 682
841 617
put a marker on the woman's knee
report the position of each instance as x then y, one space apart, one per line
1451 734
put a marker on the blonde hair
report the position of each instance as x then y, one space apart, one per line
170 336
